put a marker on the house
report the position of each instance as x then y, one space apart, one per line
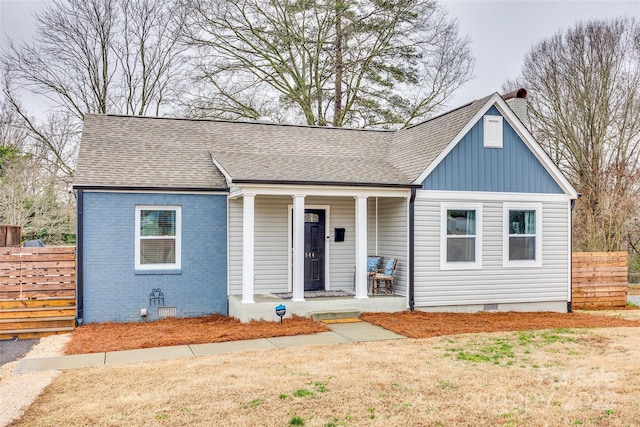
188 217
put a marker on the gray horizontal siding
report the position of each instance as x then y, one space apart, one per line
493 283
271 244
393 238
235 246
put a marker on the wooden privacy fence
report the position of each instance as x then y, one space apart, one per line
37 291
599 279
10 235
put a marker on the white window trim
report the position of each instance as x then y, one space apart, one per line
477 264
506 207
178 238
492 123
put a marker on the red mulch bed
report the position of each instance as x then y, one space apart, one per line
101 337
111 336
420 324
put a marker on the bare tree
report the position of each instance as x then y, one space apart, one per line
71 62
101 56
585 103
149 55
355 62
31 195
88 56
93 56
53 140
13 136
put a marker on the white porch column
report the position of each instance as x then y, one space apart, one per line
248 203
361 247
298 248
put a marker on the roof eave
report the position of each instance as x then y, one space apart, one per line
129 188
324 183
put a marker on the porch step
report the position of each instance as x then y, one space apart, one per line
340 321
26 334
345 313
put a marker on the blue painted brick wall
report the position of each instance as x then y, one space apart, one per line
113 291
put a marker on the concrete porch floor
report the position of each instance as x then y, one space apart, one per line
264 306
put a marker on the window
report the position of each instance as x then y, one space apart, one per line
158 237
461 240
522 242
493 131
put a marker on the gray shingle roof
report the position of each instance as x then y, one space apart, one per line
119 151
144 152
416 147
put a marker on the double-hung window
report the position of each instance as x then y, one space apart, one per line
461 237
522 235
158 237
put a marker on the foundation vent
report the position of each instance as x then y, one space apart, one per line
167 311
489 307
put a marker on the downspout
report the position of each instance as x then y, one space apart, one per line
412 199
376 252
570 302
79 257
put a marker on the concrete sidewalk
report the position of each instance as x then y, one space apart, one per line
341 333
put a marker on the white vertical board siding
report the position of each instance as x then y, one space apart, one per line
493 283
393 238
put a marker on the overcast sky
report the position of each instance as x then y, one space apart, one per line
501 31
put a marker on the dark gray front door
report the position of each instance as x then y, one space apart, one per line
314 249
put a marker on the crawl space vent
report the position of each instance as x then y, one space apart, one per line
488 307
167 311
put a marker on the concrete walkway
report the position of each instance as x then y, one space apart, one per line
341 333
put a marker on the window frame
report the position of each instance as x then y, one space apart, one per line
178 238
460 265
493 123
506 209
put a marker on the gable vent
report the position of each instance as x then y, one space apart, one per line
492 132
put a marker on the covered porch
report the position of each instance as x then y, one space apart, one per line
298 239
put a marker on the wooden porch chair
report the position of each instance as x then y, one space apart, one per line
372 267
384 277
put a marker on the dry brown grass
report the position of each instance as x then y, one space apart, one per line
553 377
544 378
102 337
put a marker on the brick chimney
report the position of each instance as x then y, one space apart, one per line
517 101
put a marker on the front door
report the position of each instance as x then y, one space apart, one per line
314 249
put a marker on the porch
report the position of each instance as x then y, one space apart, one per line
302 239
264 305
